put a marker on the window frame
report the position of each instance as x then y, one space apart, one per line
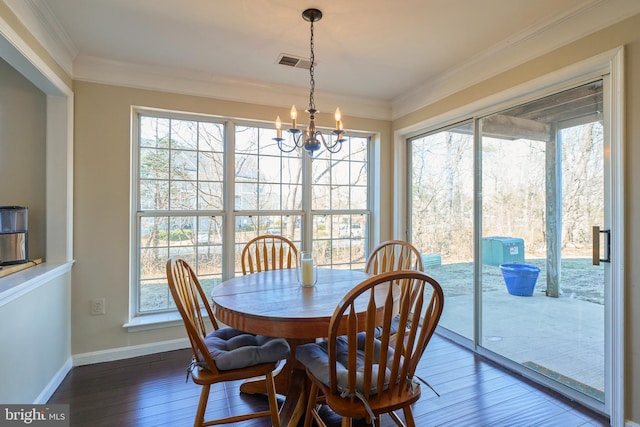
228 213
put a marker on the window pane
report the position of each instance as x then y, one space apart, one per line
154 163
183 195
196 238
261 169
154 195
154 132
184 134
340 240
249 227
211 137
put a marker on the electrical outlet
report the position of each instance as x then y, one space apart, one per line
98 307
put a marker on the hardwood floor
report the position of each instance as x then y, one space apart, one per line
151 391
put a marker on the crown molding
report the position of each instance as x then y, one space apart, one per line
534 41
43 25
199 83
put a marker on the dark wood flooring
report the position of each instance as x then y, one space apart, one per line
151 391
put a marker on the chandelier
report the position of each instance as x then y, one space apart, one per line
311 139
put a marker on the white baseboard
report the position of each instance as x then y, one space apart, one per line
631 424
128 352
55 382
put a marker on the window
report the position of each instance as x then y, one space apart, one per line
200 187
340 205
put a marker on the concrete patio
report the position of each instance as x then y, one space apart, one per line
562 338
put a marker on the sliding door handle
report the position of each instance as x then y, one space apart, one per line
596 245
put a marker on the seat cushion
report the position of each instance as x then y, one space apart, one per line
394 328
315 358
234 349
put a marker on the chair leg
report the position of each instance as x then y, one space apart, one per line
202 406
408 416
346 421
273 402
311 404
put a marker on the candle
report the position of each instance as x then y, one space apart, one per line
307 272
278 128
338 116
294 116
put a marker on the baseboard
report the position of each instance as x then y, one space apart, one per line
55 382
128 352
631 424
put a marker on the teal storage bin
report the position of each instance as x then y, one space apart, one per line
498 250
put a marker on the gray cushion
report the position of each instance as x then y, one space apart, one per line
315 357
234 349
393 329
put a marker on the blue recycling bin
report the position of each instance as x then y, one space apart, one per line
520 278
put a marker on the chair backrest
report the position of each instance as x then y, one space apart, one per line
269 252
190 299
394 255
374 302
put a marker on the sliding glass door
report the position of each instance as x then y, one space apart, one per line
503 208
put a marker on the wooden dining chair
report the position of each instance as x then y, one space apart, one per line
268 252
394 255
359 375
225 354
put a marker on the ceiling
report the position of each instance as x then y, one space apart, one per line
374 49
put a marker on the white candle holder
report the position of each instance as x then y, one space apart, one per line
307 270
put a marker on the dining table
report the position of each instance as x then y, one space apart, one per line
273 303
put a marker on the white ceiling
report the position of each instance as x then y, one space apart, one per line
378 50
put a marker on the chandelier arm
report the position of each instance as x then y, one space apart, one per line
335 147
284 148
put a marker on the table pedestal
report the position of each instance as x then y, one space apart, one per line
290 382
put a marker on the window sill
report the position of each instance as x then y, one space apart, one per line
153 321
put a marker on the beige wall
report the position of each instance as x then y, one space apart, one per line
102 205
626 33
22 152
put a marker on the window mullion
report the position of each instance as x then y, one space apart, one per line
228 256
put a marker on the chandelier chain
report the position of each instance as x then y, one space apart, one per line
312 82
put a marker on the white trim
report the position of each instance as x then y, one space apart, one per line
129 352
153 321
54 383
631 424
615 402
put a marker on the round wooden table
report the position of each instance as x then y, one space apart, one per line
272 303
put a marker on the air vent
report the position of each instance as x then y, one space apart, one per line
294 61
